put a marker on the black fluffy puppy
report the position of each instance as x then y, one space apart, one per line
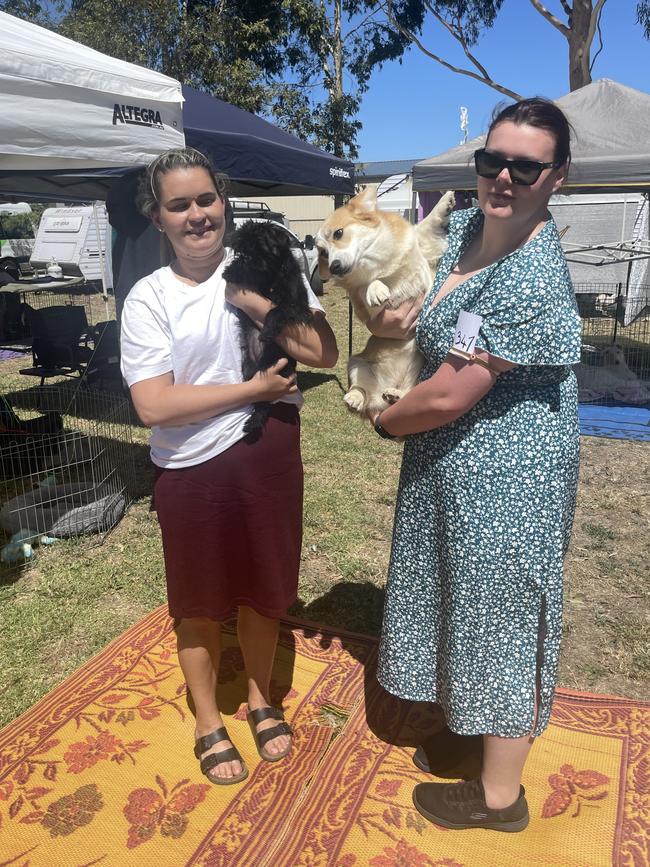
265 263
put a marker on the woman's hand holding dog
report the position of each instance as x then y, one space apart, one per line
272 385
399 323
314 345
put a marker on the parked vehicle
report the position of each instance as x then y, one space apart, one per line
16 237
260 211
243 210
311 254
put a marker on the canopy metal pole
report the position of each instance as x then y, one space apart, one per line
102 259
349 328
619 311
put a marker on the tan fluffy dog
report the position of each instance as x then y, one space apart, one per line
380 259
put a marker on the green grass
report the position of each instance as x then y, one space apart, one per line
599 533
78 595
70 603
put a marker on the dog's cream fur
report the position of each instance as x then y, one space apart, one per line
380 259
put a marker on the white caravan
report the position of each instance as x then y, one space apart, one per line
78 239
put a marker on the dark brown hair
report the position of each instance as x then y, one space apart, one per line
540 113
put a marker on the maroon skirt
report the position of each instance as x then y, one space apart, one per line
232 526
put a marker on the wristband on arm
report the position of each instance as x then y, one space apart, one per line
382 431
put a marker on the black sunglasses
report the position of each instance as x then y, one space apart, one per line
526 172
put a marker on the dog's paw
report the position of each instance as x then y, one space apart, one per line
446 205
376 293
392 395
355 399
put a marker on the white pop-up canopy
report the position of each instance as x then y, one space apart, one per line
64 106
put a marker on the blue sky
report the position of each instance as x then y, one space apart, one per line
412 110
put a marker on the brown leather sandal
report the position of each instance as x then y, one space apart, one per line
261 738
213 759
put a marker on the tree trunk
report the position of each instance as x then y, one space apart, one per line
338 88
580 39
337 95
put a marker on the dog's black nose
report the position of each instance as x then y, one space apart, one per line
337 268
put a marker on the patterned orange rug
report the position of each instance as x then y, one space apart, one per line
101 772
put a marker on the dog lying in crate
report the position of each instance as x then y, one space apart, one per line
379 258
265 262
604 373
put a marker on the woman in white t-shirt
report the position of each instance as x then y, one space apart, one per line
230 509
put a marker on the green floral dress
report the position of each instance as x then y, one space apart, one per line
473 613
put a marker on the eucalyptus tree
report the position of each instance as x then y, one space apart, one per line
643 17
578 21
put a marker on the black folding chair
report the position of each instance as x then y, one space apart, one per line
59 341
12 325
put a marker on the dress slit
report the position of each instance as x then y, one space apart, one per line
539 665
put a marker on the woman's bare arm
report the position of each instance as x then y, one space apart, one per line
450 393
313 344
160 402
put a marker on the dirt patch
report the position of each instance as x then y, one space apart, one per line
607 590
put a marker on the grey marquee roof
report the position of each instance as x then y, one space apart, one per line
374 172
611 147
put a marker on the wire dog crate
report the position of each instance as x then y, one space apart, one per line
86 295
67 463
15 307
615 343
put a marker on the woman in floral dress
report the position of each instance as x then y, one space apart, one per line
473 613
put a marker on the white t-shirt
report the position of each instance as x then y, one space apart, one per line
190 331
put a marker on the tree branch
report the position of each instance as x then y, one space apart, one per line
595 20
599 10
567 8
360 25
484 79
564 30
459 36
324 54
302 85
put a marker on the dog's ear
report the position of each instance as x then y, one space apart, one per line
364 202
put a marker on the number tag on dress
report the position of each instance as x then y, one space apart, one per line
466 331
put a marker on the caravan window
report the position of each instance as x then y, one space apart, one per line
63 224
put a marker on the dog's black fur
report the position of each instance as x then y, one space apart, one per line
264 262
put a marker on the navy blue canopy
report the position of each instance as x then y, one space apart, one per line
258 156
259 159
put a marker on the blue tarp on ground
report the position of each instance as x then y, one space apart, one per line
615 421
